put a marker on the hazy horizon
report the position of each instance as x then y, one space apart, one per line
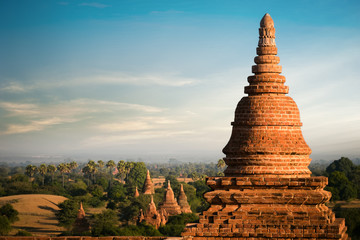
159 80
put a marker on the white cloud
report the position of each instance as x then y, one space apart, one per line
167 12
14 87
102 79
137 124
94 4
37 117
35 125
133 137
20 108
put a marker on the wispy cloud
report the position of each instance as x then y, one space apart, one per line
37 117
138 124
19 108
132 137
13 87
167 12
102 79
35 125
94 4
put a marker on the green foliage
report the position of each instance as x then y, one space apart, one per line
137 175
96 190
352 220
77 188
117 192
341 187
139 230
102 181
8 211
173 230
177 223
23 233
30 170
183 219
67 213
105 224
95 202
344 165
5 226
199 203
129 209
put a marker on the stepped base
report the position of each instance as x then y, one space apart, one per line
267 208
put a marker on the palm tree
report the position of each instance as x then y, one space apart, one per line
63 168
30 170
51 169
73 165
128 167
121 168
110 165
91 169
86 171
221 164
42 170
101 164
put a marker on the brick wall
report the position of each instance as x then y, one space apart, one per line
84 238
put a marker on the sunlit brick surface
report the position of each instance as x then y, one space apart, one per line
267 191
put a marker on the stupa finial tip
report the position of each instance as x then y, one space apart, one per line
267 21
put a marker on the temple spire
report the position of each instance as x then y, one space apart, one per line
183 202
136 194
170 204
267 191
266 31
148 184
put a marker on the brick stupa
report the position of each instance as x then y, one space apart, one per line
81 225
183 202
152 216
170 204
148 184
267 191
136 193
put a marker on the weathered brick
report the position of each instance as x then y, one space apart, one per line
267 191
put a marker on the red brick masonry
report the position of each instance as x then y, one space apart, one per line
84 238
267 191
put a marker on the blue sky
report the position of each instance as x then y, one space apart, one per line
161 79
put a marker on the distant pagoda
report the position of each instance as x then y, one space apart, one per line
136 193
152 216
182 200
267 191
80 225
148 184
169 204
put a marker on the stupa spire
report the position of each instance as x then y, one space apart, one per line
266 138
81 224
267 191
169 203
136 194
182 200
148 184
81 212
266 31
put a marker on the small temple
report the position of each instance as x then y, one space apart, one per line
183 202
136 193
267 191
169 203
148 185
152 216
168 207
80 225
